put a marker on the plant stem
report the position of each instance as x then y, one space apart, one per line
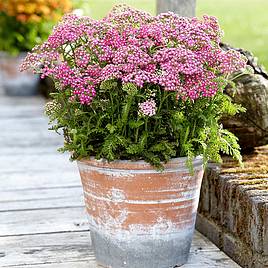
136 135
193 130
146 124
125 113
112 105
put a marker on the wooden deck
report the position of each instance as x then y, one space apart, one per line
42 216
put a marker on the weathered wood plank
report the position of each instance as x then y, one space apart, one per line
43 221
74 248
28 132
51 162
209 259
30 179
21 133
52 248
40 193
24 105
24 123
79 238
85 264
76 264
37 204
13 145
41 198
16 102
26 111
38 149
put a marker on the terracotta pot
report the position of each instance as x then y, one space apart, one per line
14 82
140 217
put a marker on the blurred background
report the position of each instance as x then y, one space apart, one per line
245 22
24 23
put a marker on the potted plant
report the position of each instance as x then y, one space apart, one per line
24 24
138 100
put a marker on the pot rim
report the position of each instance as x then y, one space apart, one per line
173 163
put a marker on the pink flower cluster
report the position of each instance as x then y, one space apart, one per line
179 54
147 107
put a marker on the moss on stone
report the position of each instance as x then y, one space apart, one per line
256 164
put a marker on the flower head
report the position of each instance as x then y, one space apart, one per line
178 54
147 108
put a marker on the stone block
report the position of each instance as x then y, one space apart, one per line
234 212
234 248
265 230
227 187
208 228
208 198
263 263
204 194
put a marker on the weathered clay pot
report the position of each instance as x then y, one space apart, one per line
14 82
140 217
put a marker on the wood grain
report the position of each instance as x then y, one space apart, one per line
36 162
42 198
30 179
43 221
76 246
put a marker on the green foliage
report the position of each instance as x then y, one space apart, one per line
16 36
112 128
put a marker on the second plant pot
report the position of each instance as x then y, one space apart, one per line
14 82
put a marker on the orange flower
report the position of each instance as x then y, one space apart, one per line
21 18
35 18
20 8
35 10
30 8
45 10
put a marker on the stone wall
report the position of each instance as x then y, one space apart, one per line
233 208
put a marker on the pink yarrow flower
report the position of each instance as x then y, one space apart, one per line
147 108
178 54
